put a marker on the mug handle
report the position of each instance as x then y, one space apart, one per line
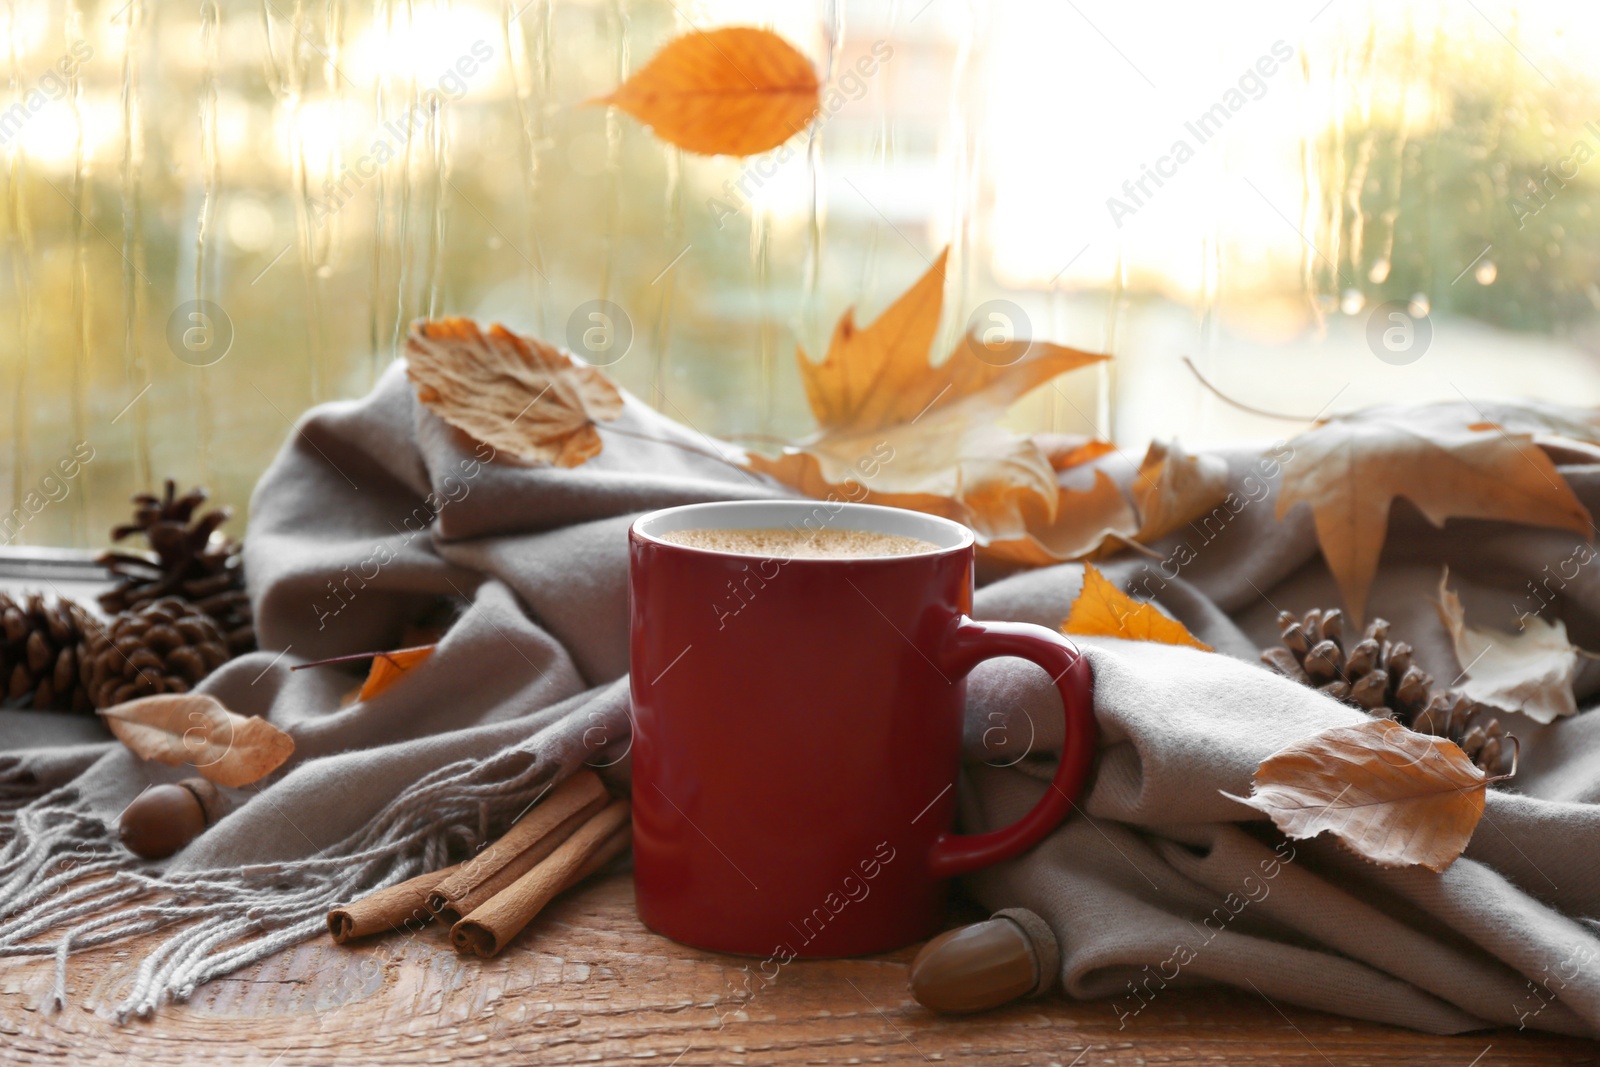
969 643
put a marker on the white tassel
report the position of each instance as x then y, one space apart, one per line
230 918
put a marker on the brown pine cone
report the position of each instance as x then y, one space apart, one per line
190 559
1377 676
164 647
39 642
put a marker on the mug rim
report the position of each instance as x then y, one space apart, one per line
948 535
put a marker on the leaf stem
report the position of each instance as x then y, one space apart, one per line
355 656
1315 420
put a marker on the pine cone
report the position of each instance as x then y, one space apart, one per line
164 647
39 642
193 560
1377 676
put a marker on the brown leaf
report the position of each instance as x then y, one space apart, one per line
515 393
899 431
1530 671
734 91
195 729
1350 469
1395 797
1103 610
389 667
1173 488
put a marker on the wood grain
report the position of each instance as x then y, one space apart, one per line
586 983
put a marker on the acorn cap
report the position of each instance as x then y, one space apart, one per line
1046 950
971 968
212 802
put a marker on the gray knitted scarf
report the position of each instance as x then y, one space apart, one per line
375 512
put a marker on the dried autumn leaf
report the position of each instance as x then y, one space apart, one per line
1171 488
1086 523
1174 487
1349 470
1530 672
1065 451
1103 610
388 667
195 729
897 430
1555 420
1395 797
515 393
1567 435
734 91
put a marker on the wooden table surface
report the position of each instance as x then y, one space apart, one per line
587 983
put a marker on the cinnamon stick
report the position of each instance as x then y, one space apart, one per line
396 908
582 792
451 908
491 926
609 849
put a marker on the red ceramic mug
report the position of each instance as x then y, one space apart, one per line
797 731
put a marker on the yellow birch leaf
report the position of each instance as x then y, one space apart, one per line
733 91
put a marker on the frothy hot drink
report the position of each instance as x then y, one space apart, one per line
801 543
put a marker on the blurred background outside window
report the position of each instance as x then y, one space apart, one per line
1323 205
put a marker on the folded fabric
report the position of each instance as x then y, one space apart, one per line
375 510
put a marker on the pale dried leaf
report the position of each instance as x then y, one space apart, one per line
1524 417
1350 470
1103 610
1174 487
1395 797
517 394
1530 671
731 91
193 729
1087 524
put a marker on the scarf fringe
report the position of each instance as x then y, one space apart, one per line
67 884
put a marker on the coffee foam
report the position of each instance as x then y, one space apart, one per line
780 543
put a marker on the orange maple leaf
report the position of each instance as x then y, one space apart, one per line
389 667
1103 610
897 430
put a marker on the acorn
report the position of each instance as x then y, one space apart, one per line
164 818
972 968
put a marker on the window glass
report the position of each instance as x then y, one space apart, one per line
216 215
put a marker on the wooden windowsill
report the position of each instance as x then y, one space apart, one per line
586 982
